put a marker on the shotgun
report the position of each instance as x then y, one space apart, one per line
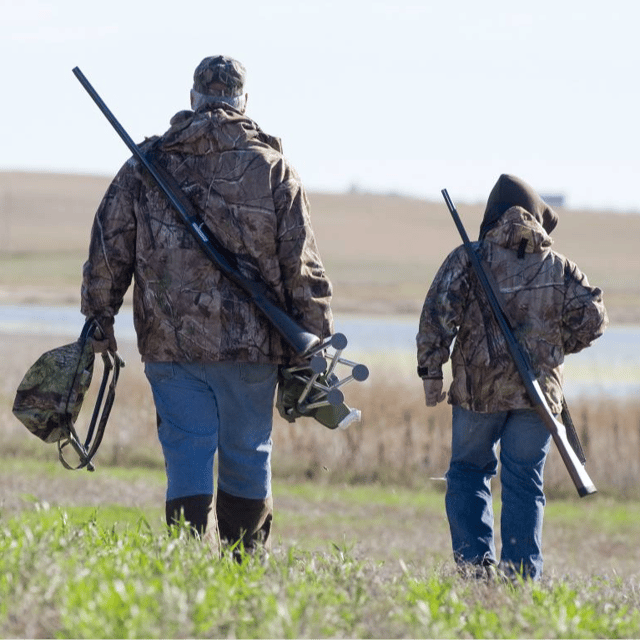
311 389
301 341
558 431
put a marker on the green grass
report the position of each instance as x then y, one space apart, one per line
113 571
605 514
370 494
62 577
111 516
51 467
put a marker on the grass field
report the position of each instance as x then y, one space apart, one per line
362 544
399 440
363 561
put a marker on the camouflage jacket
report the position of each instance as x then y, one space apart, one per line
551 306
253 202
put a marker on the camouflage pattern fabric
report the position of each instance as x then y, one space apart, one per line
553 310
253 202
219 75
51 393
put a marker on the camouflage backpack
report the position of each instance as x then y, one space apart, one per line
50 396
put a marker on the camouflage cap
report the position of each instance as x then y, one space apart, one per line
219 76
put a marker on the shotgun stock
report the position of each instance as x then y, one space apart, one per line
558 432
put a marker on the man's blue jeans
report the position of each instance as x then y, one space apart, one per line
221 406
524 444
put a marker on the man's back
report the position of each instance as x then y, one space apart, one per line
254 203
211 358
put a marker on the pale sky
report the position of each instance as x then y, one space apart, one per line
391 96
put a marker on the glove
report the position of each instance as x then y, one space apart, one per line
433 391
104 338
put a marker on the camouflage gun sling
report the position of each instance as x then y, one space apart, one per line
312 389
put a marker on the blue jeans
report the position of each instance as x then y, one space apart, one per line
524 444
221 406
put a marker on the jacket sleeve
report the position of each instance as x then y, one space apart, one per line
584 317
108 271
442 314
306 286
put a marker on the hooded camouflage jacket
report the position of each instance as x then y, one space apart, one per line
185 310
548 300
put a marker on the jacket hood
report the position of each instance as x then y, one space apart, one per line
213 129
510 191
519 231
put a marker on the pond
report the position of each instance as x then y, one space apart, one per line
611 365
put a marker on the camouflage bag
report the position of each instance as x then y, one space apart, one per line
50 396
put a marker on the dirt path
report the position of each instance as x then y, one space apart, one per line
18 491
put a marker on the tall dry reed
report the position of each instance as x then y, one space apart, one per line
401 440
398 441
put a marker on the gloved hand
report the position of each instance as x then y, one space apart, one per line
104 338
433 391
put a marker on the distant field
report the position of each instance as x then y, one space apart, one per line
381 252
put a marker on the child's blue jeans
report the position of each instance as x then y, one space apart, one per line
524 444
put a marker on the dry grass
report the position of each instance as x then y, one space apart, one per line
401 440
398 441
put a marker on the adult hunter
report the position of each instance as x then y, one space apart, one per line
554 312
210 356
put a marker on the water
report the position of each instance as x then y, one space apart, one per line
611 365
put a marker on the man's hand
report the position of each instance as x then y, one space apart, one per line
104 338
433 391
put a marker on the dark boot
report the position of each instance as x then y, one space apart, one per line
197 511
245 520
